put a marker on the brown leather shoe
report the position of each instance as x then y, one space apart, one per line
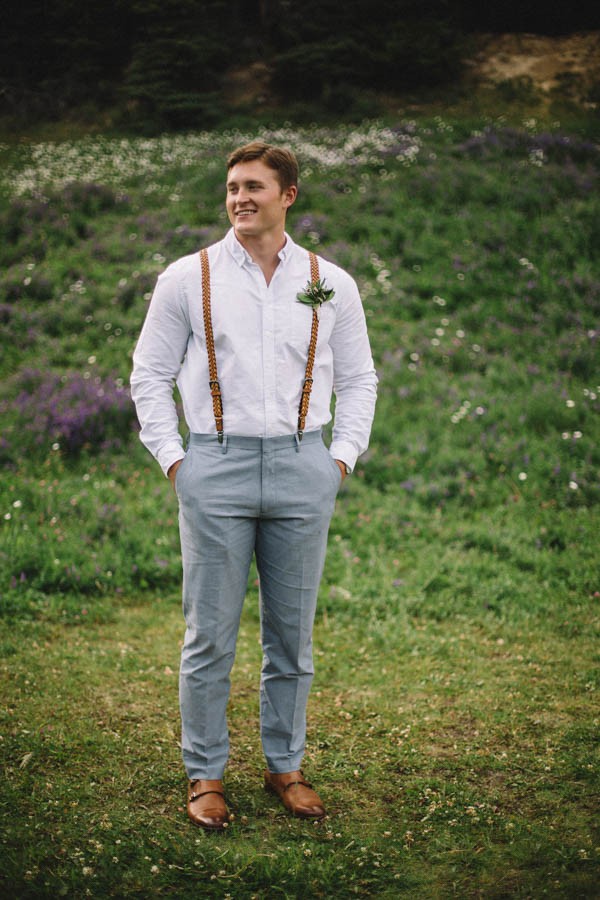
296 794
206 804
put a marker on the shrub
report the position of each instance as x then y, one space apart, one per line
29 227
66 412
508 141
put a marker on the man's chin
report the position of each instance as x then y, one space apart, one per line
245 229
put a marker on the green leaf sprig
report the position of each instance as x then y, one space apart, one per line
315 293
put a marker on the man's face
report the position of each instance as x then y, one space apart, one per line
255 203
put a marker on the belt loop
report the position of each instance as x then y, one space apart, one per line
224 444
298 439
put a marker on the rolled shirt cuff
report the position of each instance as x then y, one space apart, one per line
169 454
345 451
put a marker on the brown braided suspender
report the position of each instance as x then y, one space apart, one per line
312 348
213 378
215 387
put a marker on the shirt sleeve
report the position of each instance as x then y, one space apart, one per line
157 360
354 378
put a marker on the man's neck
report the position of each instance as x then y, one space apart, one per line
264 250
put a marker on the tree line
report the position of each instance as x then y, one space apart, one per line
164 62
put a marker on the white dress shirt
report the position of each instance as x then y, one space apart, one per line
261 333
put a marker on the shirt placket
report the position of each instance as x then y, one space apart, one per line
269 366
267 314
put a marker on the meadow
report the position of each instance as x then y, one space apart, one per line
454 717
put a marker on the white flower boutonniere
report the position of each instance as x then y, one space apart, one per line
315 294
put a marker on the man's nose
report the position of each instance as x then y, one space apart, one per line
242 196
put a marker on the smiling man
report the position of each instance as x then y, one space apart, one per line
257 333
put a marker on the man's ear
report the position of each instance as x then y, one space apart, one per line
289 195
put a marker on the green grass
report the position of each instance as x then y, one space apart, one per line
453 722
456 759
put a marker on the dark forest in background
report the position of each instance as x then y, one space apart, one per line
164 63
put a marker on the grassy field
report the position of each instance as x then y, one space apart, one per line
453 723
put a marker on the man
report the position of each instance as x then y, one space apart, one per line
256 478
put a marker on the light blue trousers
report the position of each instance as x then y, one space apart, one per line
272 497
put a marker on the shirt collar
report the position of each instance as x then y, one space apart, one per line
288 248
241 255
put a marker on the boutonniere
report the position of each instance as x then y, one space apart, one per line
315 294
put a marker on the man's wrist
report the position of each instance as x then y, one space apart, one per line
172 470
342 467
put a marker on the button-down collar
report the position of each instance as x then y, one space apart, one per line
241 255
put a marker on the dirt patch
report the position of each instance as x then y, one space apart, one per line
549 63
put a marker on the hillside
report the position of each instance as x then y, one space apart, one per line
535 68
453 722
551 64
